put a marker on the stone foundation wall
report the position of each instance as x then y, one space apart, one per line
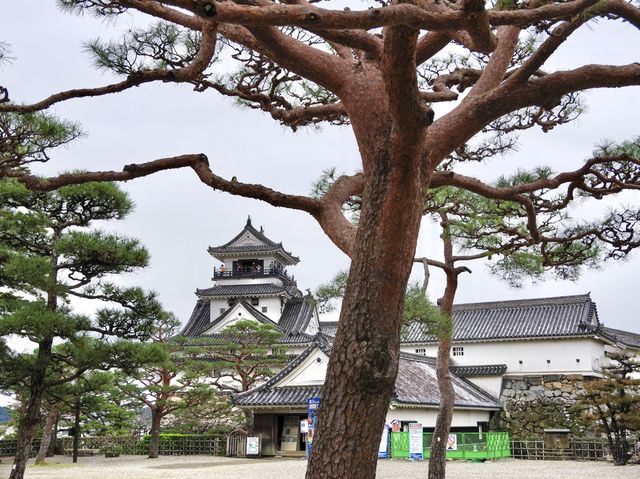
534 403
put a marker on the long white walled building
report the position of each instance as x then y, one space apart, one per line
502 352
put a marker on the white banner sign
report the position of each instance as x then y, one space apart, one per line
415 441
253 446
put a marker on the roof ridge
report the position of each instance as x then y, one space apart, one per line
577 298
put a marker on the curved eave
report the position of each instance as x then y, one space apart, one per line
253 295
286 257
399 404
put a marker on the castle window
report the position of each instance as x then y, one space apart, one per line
222 310
264 309
423 352
458 351
255 301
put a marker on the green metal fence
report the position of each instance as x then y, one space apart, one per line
487 445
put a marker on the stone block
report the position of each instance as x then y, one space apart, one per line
551 377
567 388
534 380
519 385
574 377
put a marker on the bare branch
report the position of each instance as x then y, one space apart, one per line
478 27
188 73
500 60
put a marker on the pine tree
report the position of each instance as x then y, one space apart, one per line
49 254
176 383
613 404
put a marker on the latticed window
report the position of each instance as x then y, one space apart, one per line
423 352
458 351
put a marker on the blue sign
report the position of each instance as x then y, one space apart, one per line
312 406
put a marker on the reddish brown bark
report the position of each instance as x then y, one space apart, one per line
377 89
31 417
154 442
47 433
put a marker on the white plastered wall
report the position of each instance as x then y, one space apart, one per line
562 355
311 371
272 304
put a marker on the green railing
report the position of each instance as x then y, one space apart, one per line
488 445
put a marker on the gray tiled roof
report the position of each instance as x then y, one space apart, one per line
530 318
234 290
329 327
480 370
267 246
199 319
284 396
297 314
252 397
290 338
627 338
416 384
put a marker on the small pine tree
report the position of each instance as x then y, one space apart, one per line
49 254
613 404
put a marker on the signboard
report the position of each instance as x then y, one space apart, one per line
290 433
312 406
415 441
304 426
452 442
383 448
253 446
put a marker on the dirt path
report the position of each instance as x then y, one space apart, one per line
206 467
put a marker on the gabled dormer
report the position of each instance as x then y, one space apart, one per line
240 311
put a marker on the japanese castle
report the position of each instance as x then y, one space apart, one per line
252 282
504 352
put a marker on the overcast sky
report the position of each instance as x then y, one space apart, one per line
177 217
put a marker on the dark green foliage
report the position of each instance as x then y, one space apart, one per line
536 236
27 138
48 255
417 307
613 404
174 386
245 353
327 293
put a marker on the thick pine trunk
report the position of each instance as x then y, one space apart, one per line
364 359
47 434
31 417
154 443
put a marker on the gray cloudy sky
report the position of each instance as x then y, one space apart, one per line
177 217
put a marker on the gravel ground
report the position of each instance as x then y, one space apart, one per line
206 467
